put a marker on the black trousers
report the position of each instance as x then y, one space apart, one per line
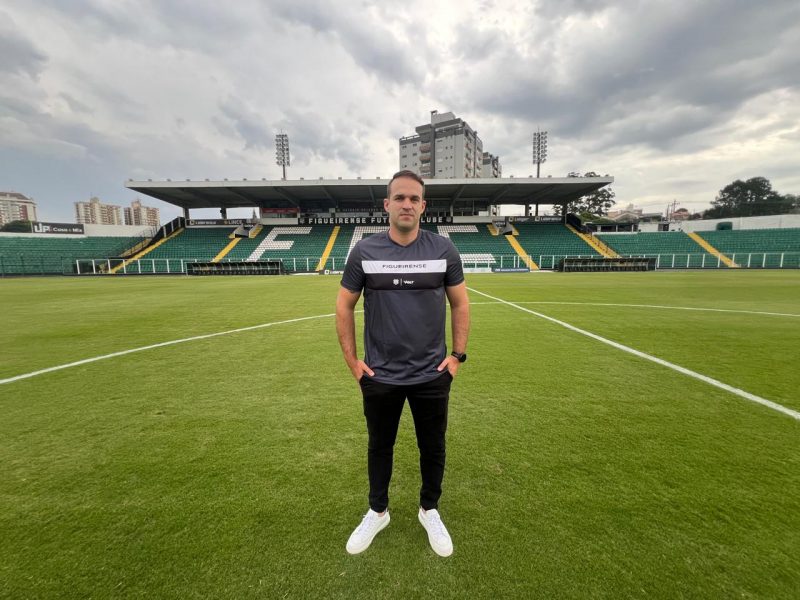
383 405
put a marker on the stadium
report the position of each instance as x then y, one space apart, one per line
627 425
310 227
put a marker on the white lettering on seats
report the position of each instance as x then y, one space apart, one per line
270 243
359 232
469 257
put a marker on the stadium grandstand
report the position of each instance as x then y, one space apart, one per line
311 226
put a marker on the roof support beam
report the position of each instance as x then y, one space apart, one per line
327 194
498 194
287 196
243 195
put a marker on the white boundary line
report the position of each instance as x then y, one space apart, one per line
86 361
746 395
723 310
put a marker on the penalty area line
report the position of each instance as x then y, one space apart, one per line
709 380
206 336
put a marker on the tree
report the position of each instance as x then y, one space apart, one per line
597 203
17 226
751 198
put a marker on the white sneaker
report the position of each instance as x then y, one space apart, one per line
437 532
370 526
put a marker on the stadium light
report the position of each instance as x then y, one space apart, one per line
282 151
539 149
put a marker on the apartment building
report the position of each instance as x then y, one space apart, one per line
138 214
446 148
16 207
96 213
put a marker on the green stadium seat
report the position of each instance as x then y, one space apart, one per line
39 255
758 248
673 249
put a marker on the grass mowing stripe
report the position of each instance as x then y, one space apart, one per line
723 310
695 308
741 393
159 345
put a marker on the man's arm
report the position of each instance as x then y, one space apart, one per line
459 320
346 330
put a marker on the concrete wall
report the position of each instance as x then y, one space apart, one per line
95 231
768 222
119 230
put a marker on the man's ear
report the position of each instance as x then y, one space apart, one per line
386 205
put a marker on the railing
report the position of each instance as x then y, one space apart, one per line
20 264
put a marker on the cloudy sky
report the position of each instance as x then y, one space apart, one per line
675 98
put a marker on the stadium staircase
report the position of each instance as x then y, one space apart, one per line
328 248
595 243
515 245
226 250
547 243
125 264
299 248
673 249
476 244
711 250
774 248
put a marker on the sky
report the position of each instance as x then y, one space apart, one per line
674 99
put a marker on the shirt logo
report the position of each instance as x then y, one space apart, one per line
404 267
396 281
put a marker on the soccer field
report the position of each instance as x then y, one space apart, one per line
234 465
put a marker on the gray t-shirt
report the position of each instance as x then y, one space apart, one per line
404 303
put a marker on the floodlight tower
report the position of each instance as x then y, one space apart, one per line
539 149
282 151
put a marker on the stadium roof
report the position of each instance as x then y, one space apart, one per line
356 193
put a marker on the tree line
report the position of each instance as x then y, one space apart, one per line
751 198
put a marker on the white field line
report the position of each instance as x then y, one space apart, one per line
728 388
722 310
87 361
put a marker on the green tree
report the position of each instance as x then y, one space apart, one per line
751 198
17 226
597 203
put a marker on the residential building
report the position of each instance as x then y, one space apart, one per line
96 213
16 207
491 166
445 148
138 214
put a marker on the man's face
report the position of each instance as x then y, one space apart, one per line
405 204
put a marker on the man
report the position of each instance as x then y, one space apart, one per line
405 274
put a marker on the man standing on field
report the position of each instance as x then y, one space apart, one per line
405 274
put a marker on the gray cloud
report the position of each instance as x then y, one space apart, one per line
315 138
369 43
100 91
698 66
249 125
18 54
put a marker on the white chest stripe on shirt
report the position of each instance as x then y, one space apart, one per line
389 267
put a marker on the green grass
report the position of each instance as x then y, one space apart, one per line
234 466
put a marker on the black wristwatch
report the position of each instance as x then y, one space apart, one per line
461 356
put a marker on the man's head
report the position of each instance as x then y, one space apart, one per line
405 201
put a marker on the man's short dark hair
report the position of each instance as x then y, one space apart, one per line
405 173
